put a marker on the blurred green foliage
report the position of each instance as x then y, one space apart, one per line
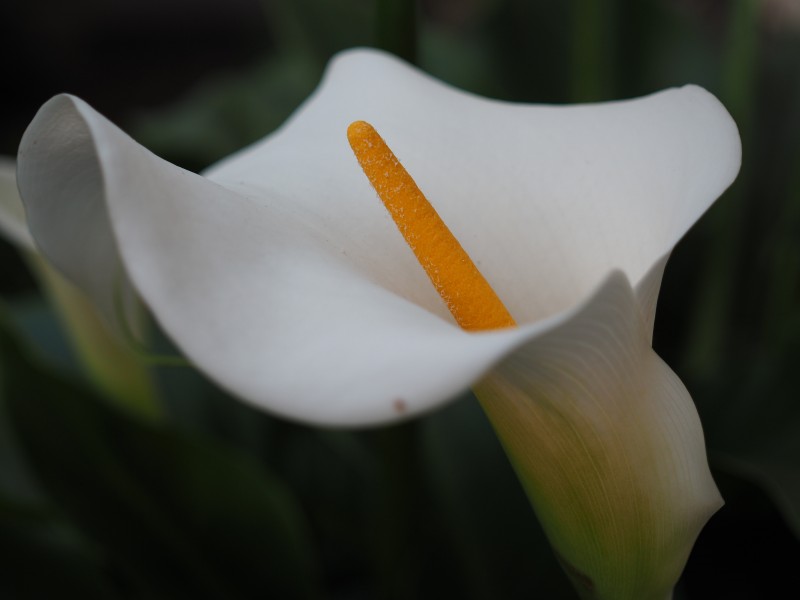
220 501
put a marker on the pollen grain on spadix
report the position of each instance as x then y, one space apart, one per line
468 295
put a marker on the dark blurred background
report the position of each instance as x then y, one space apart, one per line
215 500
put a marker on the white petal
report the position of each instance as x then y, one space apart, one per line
647 293
546 199
12 212
66 209
609 447
257 296
289 284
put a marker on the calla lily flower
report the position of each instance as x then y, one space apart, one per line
281 276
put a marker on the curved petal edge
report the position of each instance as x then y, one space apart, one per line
609 447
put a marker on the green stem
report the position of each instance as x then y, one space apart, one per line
727 222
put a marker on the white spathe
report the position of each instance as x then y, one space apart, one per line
282 276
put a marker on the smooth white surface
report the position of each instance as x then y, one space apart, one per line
282 277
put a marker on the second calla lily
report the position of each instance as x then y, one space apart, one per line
281 276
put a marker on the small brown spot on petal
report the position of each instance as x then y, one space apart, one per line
400 406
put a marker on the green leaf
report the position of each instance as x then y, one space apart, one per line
177 516
36 323
227 113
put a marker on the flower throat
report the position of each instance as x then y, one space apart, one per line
467 294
